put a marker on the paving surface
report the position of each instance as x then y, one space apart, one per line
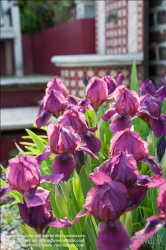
14 81
18 118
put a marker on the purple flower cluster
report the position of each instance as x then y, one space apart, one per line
128 105
154 223
118 185
119 188
23 175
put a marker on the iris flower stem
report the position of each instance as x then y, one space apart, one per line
128 222
87 164
126 219
163 164
123 218
151 143
96 120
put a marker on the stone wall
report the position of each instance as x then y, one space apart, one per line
119 27
73 77
157 41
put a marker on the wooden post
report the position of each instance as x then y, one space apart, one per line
8 57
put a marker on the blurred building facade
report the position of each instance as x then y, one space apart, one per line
124 31
105 39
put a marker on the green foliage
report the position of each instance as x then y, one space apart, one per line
164 107
42 14
67 198
134 78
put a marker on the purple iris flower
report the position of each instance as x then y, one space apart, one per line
40 217
148 87
161 147
122 111
131 143
23 175
136 191
53 104
96 92
78 122
122 167
154 223
107 202
67 146
81 104
111 83
58 85
150 112
160 94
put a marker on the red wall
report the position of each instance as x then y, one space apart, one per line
77 37
28 60
2 57
73 38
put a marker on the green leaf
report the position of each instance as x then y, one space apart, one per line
164 107
128 222
91 236
17 196
60 202
86 184
78 189
90 117
134 78
100 112
29 234
2 182
94 224
36 139
33 235
72 247
63 239
3 170
20 150
163 165
153 198
23 228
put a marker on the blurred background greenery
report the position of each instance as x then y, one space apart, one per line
42 14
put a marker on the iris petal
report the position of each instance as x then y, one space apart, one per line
64 164
112 234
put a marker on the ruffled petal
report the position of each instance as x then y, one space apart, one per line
36 197
79 160
51 178
43 156
161 200
60 223
92 142
81 214
161 147
4 190
136 195
43 118
64 164
159 125
24 213
155 181
135 145
155 167
86 150
155 223
99 178
112 234
108 114
120 122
